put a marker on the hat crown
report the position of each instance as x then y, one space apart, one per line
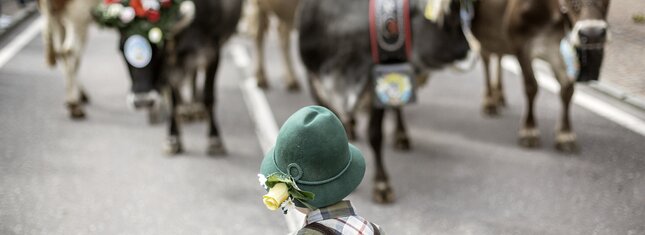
312 146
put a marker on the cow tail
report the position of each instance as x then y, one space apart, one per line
47 11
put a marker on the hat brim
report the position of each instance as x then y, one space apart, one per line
332 192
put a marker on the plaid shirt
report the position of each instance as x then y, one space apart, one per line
341 218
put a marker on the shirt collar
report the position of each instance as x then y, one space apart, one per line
341 209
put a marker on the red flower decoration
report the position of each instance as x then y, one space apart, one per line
111 1
153 16
138 8
166 3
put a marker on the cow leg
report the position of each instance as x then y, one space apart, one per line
72 46
72 90
215 143
498 94
49 31
72 87
285 39
529 134
197 111
173 143
401 139
262 26
382 190
320 98
350 126
565 139
316 89
489 106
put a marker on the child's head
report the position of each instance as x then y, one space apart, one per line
312 150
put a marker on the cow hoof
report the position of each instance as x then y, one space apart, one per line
383 193
84 98
76 111
490 110
490 107
402 142
173 146
293 87
262 82
529 138
501 101
566 143
200 114
215 147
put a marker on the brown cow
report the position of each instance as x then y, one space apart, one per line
285 11
530 29
64 36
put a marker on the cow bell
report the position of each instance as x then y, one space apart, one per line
590 63
582 62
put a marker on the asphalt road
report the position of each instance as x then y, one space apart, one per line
465 175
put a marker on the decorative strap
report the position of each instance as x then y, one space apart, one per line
388 43
295 171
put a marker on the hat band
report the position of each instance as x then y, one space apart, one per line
301 172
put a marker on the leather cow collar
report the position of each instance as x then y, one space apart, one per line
390 33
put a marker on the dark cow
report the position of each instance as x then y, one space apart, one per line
195 44
530 29
335 49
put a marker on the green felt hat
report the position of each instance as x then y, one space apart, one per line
313 149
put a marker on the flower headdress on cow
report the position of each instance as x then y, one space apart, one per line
153 19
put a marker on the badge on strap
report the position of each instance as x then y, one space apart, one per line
394 85
137 51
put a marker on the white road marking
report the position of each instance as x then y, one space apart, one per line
11 49
266 127
587 101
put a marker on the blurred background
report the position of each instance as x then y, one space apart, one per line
465 173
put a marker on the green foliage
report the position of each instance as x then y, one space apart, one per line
639 18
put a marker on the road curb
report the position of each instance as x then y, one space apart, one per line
20 17
618 94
